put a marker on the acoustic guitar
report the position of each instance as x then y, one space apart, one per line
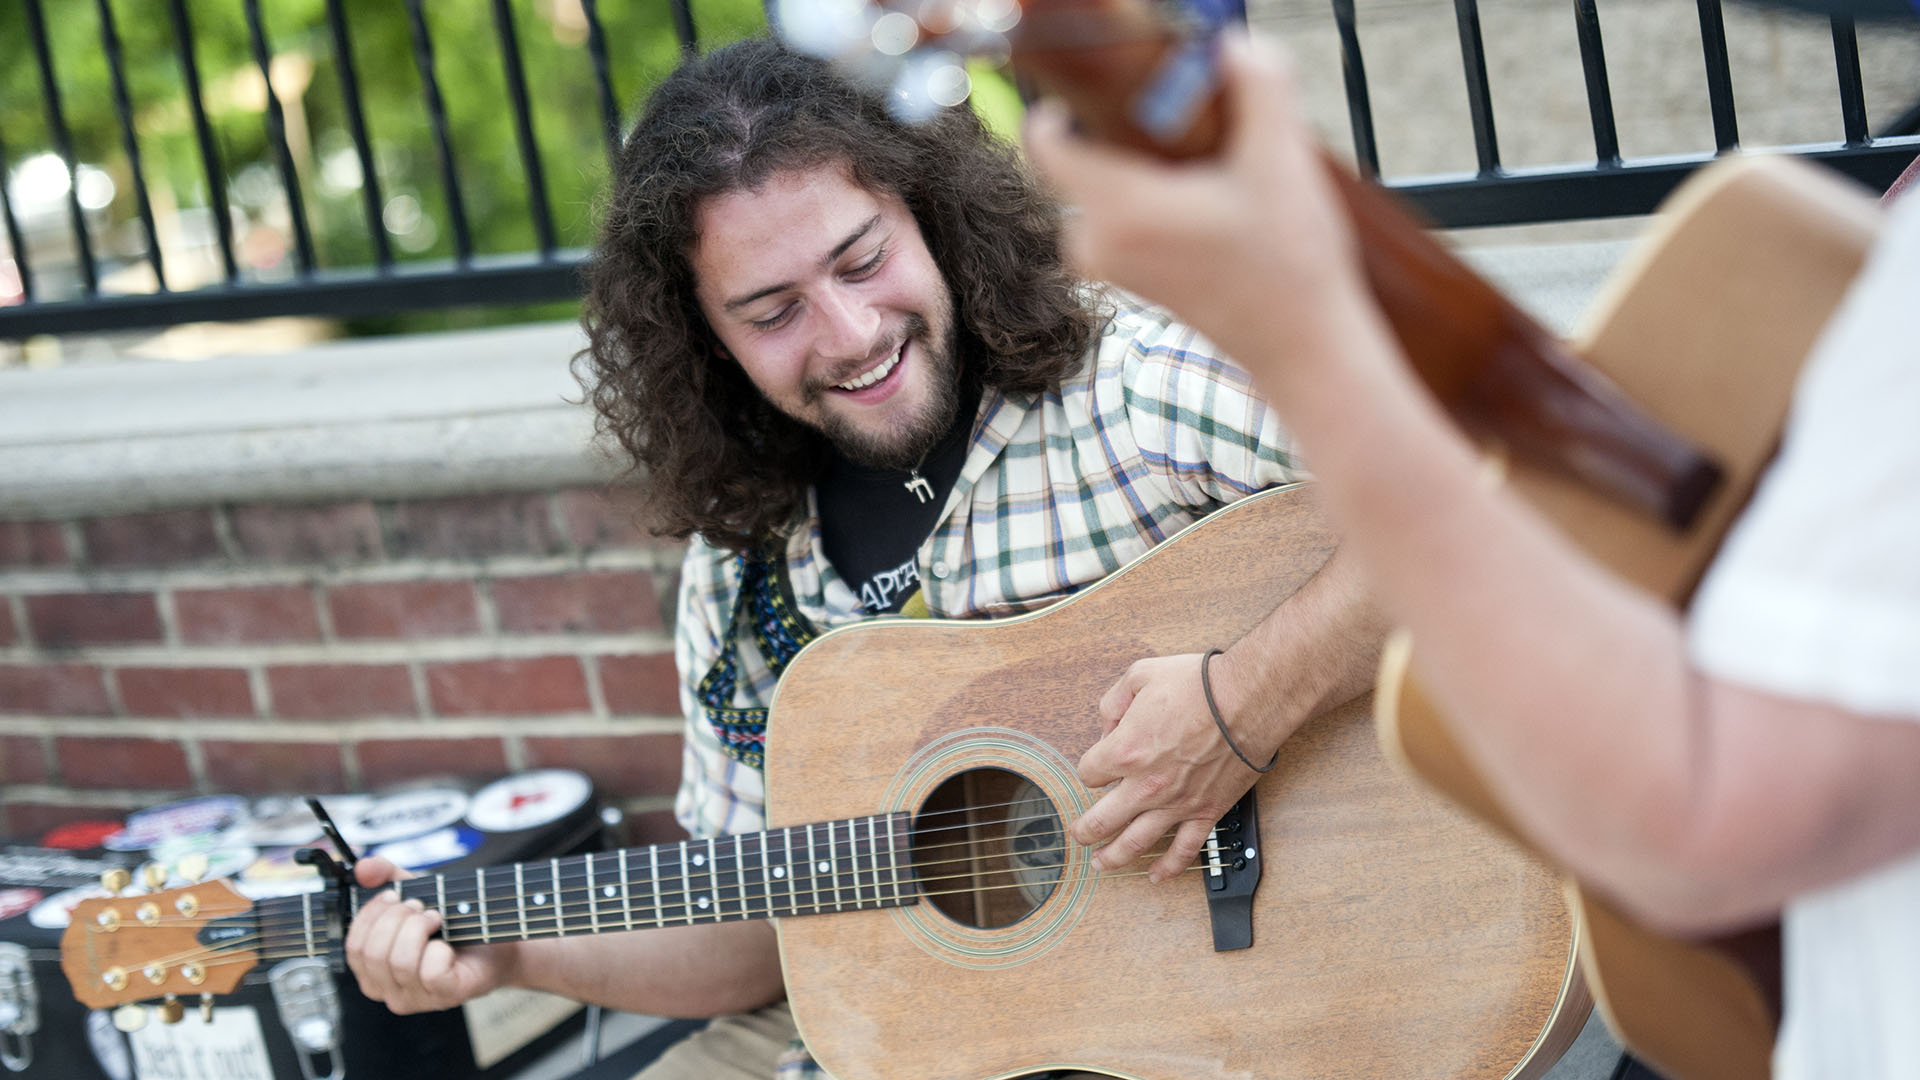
933 921
1708 323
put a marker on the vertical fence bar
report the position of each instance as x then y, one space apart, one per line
1593 58
683 25
63 146
16 243
123 105
1366 150
603 78
203 131
516 76
1853 97
277 138
357 124
1713 41
1473 58
437 115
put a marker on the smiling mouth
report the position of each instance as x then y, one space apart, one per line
873 375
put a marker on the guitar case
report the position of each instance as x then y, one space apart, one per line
438 826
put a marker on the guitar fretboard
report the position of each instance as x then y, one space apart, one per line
850 865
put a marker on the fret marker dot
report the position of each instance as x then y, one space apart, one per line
464 907
539 898
701 903
610 892
823 867
779 871
699 860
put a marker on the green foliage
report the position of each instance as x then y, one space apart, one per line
570 127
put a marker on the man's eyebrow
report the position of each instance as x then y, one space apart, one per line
839 249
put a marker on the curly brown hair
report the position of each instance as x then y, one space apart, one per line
713 456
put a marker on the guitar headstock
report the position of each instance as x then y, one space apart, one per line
168 944
1135 72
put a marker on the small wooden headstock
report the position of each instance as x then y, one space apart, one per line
123 949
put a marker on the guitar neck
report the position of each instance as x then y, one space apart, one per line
848 865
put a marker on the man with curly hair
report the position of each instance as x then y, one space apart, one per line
848 361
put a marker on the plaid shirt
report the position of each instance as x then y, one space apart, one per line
1057 492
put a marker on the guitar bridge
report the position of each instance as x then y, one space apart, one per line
1232 873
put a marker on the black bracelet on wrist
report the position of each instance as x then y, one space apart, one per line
1206 687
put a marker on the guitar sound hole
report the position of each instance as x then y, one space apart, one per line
988 847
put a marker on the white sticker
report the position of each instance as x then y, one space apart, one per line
286 821
409 813
509 1018
109 1046
529 800
56 911
230 1048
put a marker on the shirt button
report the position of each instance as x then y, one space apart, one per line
940 570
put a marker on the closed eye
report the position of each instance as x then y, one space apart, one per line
869 268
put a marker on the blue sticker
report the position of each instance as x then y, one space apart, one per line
434 849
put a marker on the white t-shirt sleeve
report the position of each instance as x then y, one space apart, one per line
1816 593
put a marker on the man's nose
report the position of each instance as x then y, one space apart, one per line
849 325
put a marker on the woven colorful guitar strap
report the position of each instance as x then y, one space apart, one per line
779 631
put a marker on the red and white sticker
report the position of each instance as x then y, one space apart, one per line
529 800
17 901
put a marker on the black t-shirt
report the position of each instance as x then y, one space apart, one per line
873 521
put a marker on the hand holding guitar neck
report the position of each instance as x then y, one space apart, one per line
1145 76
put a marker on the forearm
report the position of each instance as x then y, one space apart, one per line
1318 649
707 969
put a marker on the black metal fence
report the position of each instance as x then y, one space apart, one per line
73 267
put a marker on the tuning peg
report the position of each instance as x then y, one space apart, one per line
154 876
192 867
171 1010
116 880
206 1008
130 1018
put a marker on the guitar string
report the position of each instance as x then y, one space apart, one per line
274 933
581 889
230 955
727 848
866 884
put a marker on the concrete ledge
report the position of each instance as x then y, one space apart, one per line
442 414
411 417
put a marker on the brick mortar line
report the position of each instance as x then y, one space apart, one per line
358 729
358 651
23 632
76 539
422 694
132 798
196 756
37 580
223 533
169 618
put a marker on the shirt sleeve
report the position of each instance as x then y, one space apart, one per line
718 795
1200 427
1816 593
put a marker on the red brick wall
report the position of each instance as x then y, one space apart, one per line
260 649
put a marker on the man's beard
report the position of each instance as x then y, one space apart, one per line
905 445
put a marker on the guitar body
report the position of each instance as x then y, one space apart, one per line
1706 327
1392 935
